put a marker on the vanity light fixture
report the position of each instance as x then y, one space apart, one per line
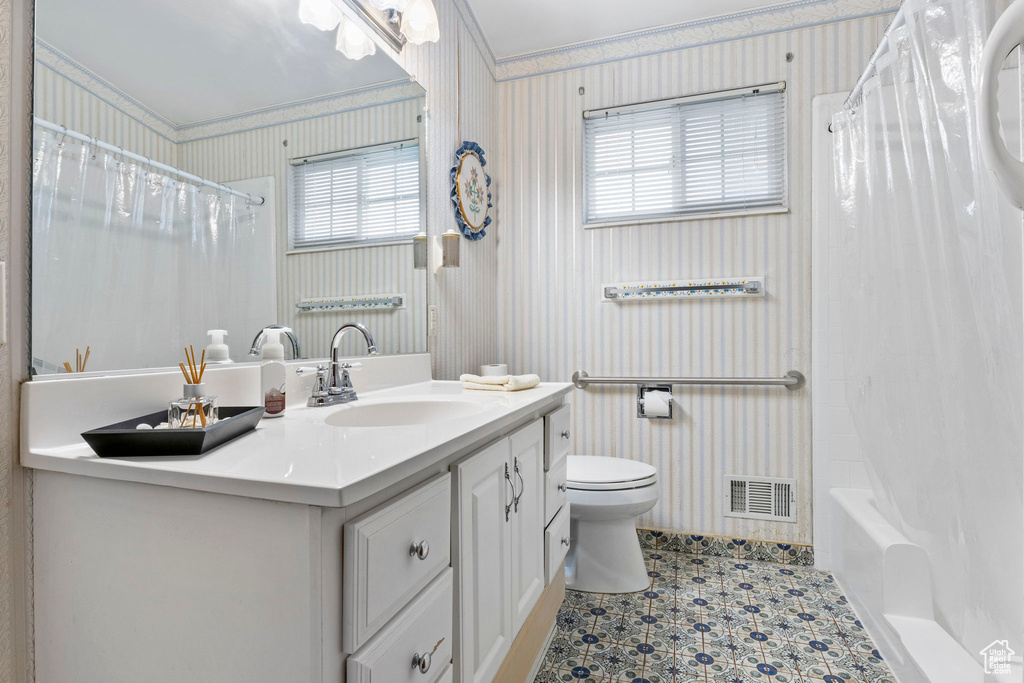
319 13
352 41
415 19
385 5
419 22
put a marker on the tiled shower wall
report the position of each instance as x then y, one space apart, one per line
552 320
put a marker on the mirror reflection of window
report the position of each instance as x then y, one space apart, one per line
144 233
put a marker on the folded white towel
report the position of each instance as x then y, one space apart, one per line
499 382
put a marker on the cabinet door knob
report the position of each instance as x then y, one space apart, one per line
563 487
421 662
565 434
565 541
420 550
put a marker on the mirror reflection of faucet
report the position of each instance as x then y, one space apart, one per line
261 338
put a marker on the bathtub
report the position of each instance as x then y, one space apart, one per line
888 581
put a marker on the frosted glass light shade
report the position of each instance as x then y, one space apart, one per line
419 22
384 5
352 42
320 13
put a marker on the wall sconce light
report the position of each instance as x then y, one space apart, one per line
419 251
446 250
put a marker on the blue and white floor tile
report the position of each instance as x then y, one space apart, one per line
708 619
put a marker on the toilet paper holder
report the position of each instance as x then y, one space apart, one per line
641 400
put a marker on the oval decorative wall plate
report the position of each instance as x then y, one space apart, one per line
471 190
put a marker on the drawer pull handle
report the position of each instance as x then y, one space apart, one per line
563 487
421 662
420 550
565 434
565 541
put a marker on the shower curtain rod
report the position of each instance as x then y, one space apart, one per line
120 151
869 70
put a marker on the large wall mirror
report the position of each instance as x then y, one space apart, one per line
217 166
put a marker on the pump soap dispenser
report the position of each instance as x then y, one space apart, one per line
272 374
217 351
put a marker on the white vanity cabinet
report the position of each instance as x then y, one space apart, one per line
304 553
499 571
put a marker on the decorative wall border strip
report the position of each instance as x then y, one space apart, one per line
721 546
374 95
65 66
727 27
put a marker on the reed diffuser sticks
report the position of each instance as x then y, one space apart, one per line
80 360
194 375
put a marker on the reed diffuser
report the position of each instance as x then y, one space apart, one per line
80 360
194 409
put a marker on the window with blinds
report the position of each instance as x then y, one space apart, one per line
356 197
708 154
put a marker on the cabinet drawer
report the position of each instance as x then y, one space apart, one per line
381 565
556 437
556 543
554 490
425 626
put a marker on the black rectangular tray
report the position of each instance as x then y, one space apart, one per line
123 440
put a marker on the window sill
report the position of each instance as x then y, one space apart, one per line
354 245
679 218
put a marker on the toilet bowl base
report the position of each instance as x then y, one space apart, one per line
605 557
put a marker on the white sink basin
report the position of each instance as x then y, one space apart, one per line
397 413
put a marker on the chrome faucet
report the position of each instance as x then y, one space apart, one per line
333 385
261 337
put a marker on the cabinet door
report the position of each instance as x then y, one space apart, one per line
483 582
527 521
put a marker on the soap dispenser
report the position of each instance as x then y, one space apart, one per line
217 351
272 374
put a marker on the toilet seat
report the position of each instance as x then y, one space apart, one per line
601 473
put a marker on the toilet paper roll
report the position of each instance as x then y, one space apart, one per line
493 370
657 403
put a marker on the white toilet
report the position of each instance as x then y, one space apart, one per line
605 496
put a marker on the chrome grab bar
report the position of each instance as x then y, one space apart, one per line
792 380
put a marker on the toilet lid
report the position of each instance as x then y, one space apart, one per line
600 473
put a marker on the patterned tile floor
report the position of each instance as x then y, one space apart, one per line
714 619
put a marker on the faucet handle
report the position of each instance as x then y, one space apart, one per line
320 385
350 366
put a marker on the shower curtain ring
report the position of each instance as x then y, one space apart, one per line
63 135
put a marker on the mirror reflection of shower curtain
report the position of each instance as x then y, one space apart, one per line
931 317
132 263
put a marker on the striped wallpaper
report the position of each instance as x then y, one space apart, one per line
552 320
369 270
64 102
461 105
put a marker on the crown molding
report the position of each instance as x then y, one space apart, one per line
65 66
751 23
377 94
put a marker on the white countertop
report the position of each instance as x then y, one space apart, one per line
299 458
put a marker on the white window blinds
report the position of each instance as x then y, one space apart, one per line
370 195
723 152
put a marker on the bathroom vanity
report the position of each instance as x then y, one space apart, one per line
416 546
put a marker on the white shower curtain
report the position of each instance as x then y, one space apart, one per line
132 263
931 317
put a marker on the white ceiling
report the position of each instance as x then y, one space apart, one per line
194 60
515 27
